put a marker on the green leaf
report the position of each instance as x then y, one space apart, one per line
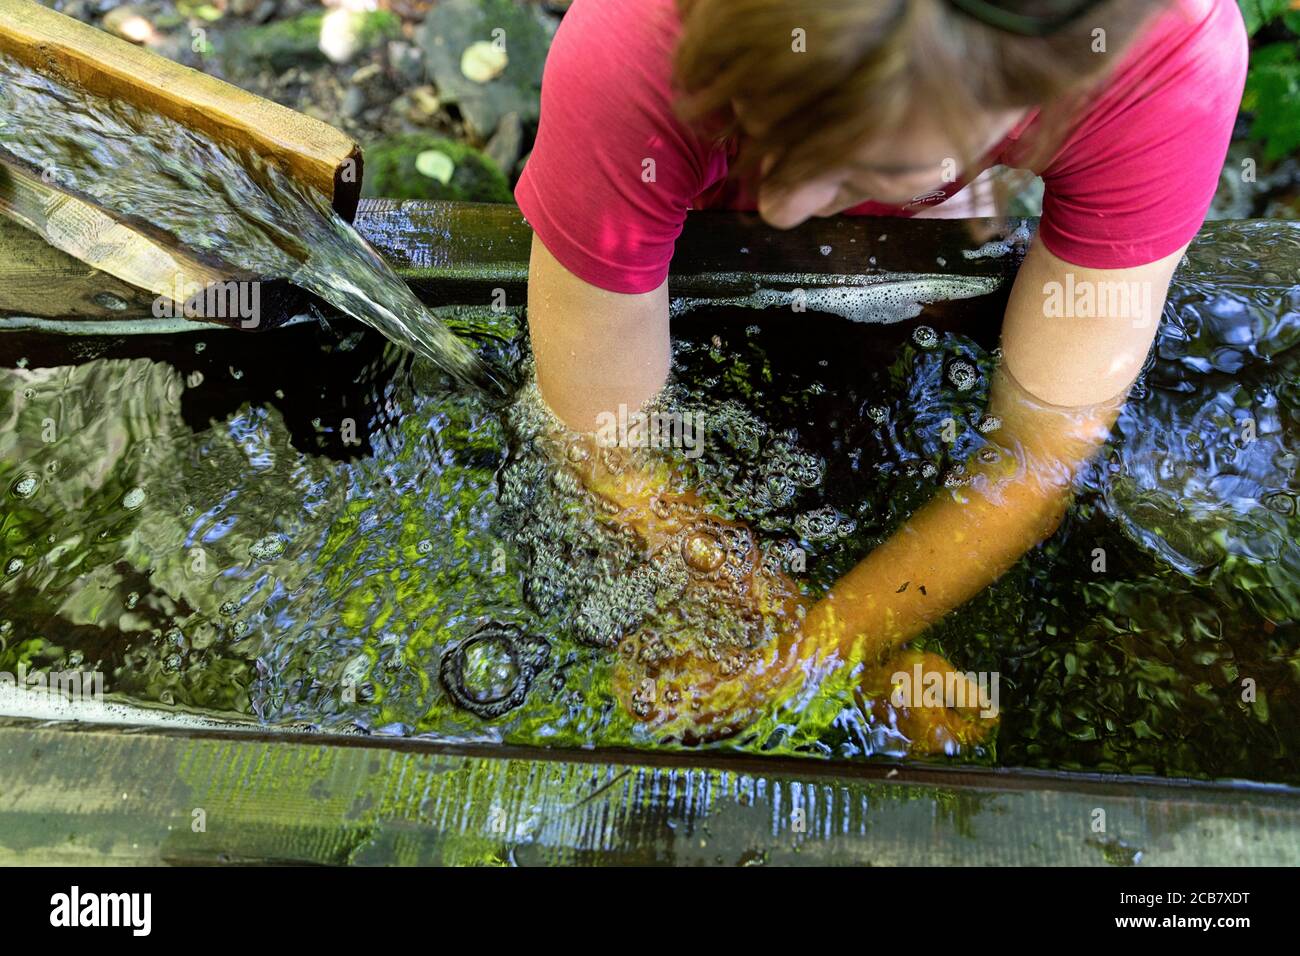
1273 95
1256 13
435 165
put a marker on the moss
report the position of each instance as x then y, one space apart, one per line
391 172
296 41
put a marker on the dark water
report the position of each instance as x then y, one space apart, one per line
214 202
328 545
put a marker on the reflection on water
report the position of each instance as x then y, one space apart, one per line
358 544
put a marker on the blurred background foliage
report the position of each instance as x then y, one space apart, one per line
444 94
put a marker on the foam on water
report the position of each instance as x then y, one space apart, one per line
884 299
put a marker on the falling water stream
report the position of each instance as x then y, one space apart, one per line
215 200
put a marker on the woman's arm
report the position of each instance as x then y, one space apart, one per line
595 350
1069 372
1064 377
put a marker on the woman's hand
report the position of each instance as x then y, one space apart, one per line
734 641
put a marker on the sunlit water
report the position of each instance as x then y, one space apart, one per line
360 545
214 201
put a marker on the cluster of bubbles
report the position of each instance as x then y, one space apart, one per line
608 582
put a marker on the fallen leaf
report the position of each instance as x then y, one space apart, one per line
435 165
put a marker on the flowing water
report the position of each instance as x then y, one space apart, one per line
215 201
362 545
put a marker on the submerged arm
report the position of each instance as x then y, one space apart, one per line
1063 380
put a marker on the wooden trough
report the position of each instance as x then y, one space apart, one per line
132 261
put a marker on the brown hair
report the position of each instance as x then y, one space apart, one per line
870 64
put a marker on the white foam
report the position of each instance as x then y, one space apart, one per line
44 704
881 299
999 247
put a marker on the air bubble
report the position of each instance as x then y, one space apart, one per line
1281 502
490 672
962 375
267 548
25 486
823 524
703 552
925 337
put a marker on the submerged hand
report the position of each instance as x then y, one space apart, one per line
733 640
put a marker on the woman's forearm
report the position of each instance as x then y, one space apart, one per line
965 538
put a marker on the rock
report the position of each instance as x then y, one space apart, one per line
129 23
421 166
421 104
265 10
483 62
343 34
407 61
507 142
493 88
365 74
354 101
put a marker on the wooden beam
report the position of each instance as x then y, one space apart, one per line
460 253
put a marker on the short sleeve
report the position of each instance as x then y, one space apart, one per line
1133 182
613 170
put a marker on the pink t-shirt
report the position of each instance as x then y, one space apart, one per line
1130 184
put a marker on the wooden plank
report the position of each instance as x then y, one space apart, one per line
100 63
76 794
38 280
128 251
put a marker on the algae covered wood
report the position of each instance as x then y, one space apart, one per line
311 151
78 794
